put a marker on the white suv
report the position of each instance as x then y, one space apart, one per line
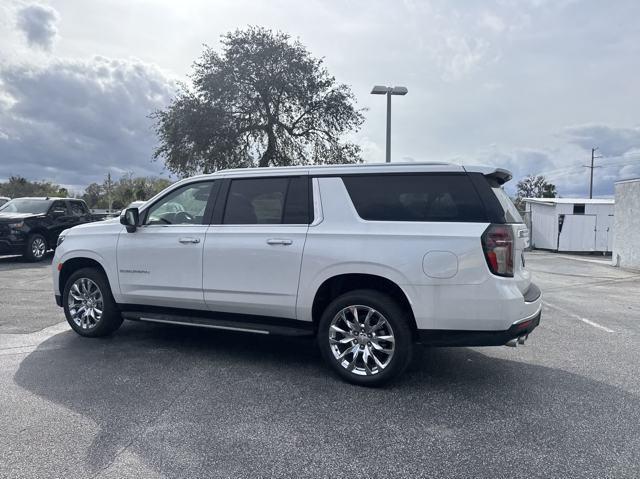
369 258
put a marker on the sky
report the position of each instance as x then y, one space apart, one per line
528 85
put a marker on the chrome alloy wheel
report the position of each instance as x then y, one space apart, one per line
85 303
38 248
361 340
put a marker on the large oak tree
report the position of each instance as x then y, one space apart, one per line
262 101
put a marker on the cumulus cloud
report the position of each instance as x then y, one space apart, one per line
618 148
520 161
611 141
73 120
39 24
463 40
565 165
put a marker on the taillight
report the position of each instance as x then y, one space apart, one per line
497 244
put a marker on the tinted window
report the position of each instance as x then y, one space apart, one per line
268 201
77 208
58 206
511 213
297 209
186 205
420 197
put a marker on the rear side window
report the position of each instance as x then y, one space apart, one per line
77 208
297 208
511 213
418 197
280 200
58 206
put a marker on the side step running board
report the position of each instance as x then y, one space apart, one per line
215 323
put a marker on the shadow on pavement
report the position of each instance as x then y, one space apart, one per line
189 403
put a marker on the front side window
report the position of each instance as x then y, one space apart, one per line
185 205
416 197
268 201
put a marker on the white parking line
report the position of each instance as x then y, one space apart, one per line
584 320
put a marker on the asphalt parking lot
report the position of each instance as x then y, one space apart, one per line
159 401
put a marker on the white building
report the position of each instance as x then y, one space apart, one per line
626 241
570 224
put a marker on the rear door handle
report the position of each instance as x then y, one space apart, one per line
285 242
189 240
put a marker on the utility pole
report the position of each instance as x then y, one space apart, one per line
109 184
388 148
593 157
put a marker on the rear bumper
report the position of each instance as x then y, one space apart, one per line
442 337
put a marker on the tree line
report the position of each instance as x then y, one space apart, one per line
117 193
17 186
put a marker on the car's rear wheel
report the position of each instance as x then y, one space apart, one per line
36 248
365 337
89 305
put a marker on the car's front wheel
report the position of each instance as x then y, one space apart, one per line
36 248
89 305
365 337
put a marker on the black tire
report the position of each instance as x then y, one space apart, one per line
36 248
110 319
399 330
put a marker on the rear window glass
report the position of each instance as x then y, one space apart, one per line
511 214
420 197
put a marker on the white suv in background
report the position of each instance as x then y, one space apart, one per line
369 258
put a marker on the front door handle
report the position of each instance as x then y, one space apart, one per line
189 240
285 242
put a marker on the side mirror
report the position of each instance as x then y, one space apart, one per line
131 219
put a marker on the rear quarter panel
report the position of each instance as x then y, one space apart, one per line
344 243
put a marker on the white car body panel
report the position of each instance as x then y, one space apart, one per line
156 268
244 274
96 241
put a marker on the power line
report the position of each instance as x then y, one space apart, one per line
631 158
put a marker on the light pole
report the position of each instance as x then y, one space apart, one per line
388 90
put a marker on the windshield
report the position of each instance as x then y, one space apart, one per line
511 214
25 206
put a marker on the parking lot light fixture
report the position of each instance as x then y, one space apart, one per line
388 90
